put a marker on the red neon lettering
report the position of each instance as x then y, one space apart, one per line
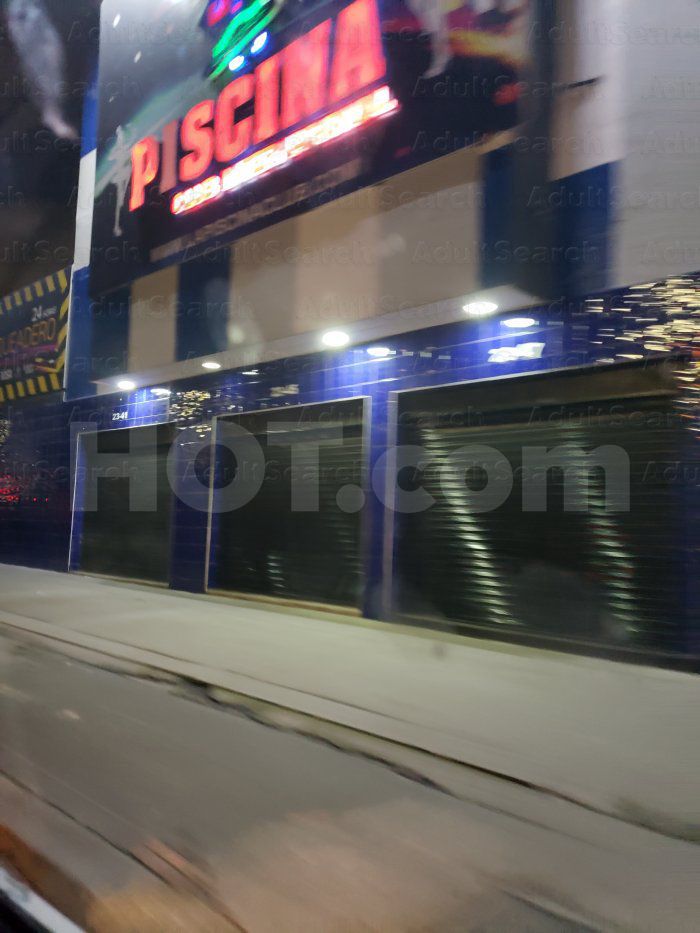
373 106
145 157
168 172
210 129
197 140
359 57
267 98
233 137
305 75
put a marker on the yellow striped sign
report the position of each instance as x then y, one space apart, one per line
46 304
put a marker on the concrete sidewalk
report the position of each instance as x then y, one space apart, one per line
618 738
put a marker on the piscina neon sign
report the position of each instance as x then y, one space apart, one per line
377 104
321 86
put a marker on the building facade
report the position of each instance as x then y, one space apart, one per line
359 319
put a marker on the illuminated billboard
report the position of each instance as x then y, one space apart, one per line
33 334
219 118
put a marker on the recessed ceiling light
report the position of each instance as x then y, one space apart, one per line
126 385
379 352
336 338
117 19
211 364
236 63
519 323
480 308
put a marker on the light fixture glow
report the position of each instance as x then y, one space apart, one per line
336 338
521 351
211 364
126 385
481 308
259 43
519 323
250 372
371 107
198 194
161 393
237 63
379 352
117 19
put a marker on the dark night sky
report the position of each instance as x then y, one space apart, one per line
38 171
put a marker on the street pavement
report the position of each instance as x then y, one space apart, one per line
618 738
272 830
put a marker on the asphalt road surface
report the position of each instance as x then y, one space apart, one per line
282 831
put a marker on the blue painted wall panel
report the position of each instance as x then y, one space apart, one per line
203 306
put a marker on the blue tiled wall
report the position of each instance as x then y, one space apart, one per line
34 464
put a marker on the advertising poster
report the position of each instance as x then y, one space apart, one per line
217 118
33 329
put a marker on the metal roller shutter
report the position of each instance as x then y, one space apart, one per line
265 547
595 576
116 540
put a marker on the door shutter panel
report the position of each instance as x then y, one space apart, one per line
596 576
267 548
117 540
